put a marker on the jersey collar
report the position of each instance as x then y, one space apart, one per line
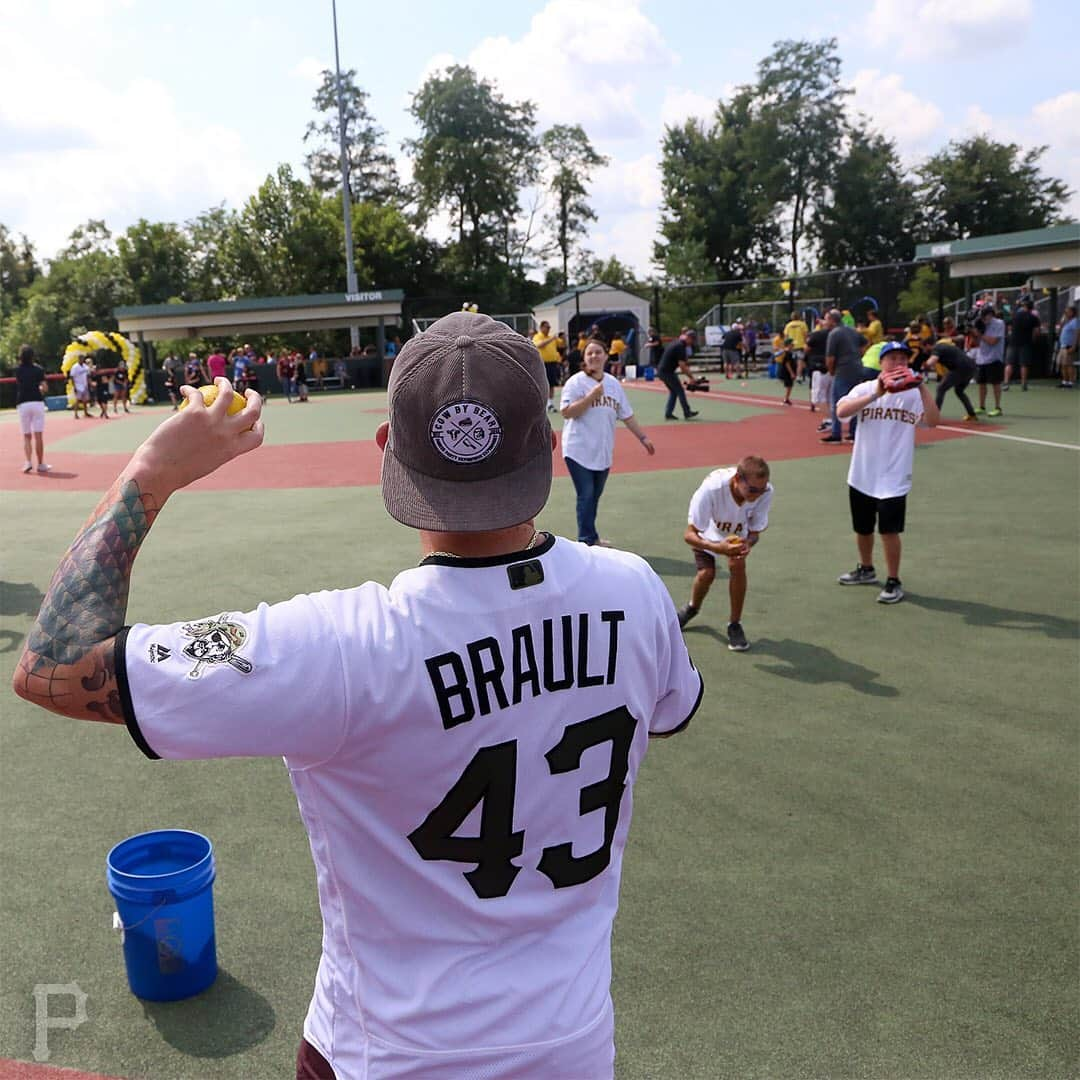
492 560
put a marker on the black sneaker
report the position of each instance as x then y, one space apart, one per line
736 639
686 614
691 414
861 575
892 593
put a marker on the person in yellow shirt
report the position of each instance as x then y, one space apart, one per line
615 354
875 332
547 345
796 330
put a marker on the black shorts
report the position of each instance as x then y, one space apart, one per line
554 373
786 376
888 514
990 374
704 560
1019 354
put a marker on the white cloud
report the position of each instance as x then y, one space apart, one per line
681 105
310 70
590 62
580 61
75 148
941 27
895 111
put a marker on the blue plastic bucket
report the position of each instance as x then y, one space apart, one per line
162 883
650 373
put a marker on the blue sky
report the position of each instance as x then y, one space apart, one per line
121 109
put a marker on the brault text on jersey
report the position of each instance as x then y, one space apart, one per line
559 654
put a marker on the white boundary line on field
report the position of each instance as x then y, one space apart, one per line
755 399
1011 438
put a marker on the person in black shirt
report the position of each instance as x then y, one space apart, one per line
814 360
654 347
788 365
1025 326
732 350
120 385
30 390
959 370
99 390
673 360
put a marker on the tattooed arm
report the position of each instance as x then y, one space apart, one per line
67 662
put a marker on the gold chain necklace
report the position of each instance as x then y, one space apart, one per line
450 555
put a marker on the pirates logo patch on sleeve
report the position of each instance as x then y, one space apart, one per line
215 641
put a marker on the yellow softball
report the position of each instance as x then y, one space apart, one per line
210 393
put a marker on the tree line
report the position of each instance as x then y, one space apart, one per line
783 177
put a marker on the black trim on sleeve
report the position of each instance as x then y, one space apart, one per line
120 663
689 716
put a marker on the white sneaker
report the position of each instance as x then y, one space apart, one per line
44 468
28 467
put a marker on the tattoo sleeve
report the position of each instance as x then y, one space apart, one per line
67 663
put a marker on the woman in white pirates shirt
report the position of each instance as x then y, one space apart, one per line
591 402
881 463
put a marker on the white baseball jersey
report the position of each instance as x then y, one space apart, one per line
589 439
884 452
80 375
463 747
715 513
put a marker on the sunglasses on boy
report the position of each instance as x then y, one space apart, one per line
750 487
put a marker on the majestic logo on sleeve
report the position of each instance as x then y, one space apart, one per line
215 641
466 432
159 654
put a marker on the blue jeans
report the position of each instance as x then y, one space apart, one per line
589 485
842 386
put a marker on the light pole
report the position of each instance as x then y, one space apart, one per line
346 194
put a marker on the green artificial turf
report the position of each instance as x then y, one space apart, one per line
860 860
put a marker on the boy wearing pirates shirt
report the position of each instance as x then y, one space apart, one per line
463 744
728 514
879 477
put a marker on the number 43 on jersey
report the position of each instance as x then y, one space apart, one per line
491 779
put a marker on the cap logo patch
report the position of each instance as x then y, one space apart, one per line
465 432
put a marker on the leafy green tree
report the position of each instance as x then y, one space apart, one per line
716 219
797 112
212 271
156 257
921 296
18 270
474 155
372 174
980 187
286 240
87 279
612 271
870 213
39 322
568 157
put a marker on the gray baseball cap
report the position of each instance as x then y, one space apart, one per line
469 448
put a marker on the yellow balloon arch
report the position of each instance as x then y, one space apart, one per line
95 341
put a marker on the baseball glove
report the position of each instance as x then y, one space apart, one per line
903 379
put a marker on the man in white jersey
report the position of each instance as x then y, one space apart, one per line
728 514
879 477
463 745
